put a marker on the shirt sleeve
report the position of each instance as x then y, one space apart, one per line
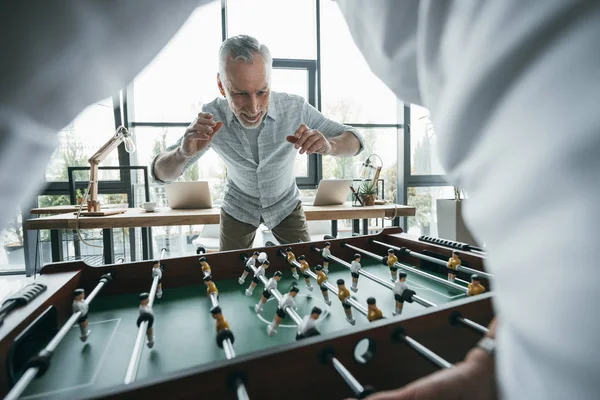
315 120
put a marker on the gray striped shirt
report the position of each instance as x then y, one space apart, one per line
265 191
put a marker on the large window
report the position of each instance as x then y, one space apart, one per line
79 140
184 75
350 91
423 144
286 27
424 199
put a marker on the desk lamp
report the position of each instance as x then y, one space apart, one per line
122 135
370 170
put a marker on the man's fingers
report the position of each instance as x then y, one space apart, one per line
313 144
300 132
306 135
217 126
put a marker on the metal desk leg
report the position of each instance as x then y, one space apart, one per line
109 253
356 226
334 227
365 226
56 238
30 243
146 243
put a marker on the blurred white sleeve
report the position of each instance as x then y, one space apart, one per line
59 57
514 92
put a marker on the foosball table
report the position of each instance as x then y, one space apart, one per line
330 319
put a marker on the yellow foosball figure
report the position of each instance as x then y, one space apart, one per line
391 262
344 295
453 264
475 287
205 266
303 268
221 322
210 286
321 279
374 313
291 257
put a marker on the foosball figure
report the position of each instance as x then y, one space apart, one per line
326 253
391 262
453 264
308 327
291 257
354 268
303 268
321 279
79 305
399 287
147 314
157 270
373 312
260 271
210 286
266 294
286 301
250 262
344 295
475 287
205 266
221 322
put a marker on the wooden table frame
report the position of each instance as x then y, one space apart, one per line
137 218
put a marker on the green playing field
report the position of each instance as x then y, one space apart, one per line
185 331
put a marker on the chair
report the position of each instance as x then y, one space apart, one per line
209 238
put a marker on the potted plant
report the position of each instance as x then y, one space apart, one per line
367 192
79 196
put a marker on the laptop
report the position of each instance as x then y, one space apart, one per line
188 195
332 192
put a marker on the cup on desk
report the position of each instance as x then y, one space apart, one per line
149 206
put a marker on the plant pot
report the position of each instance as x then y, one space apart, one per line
450 223
367 199
80 200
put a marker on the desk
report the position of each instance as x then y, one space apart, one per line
136 218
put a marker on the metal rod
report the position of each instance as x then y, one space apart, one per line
473 325
417 299
359 307
134 361
163 252
474 271
22 384
356 387
425 352
415 271
437 261
31 373
423 302
275 293
461 281
228 349
242 394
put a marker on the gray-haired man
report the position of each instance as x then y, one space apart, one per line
259 132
